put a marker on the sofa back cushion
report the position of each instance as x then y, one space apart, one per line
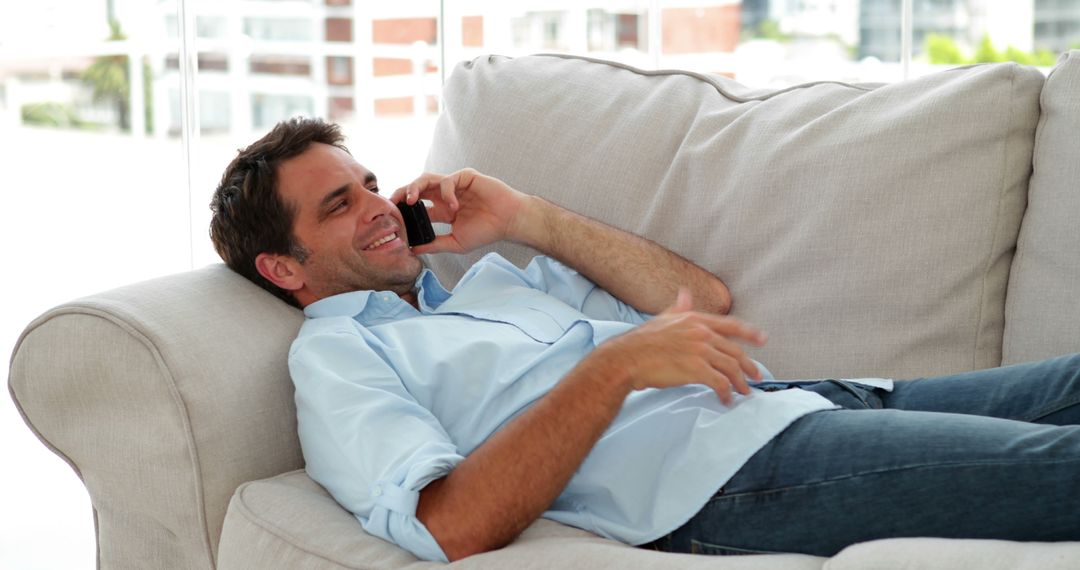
1042 315
869 229
163 396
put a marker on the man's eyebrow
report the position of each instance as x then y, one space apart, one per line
369 178
330 197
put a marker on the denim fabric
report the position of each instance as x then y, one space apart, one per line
986 454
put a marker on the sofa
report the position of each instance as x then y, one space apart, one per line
899 230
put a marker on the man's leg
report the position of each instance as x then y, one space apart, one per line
839 477
1046 392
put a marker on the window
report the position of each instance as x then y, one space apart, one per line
613 31
278 29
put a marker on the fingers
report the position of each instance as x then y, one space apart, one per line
710 359
715 375
734 372
411 192
683 302
723 325
450 185
721 363
434 186
399 195
744 363
734 328
722 386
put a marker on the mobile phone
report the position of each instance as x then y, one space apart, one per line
417 224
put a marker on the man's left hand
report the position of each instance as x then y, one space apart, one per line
480 208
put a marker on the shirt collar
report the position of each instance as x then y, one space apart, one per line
430 294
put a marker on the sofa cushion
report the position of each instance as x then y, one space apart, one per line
291 522
869 230
1042 315
950 554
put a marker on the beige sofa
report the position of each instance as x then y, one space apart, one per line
900 230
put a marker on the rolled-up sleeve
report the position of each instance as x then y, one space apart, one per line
364 438
546 274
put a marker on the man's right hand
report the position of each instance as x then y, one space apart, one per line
681 346
481 505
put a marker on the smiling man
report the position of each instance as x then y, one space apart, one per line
448 421
339 252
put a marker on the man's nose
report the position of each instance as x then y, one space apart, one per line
376 206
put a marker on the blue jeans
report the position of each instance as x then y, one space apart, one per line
986 454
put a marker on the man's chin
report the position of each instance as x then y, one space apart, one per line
409 272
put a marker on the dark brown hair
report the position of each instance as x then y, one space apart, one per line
250 216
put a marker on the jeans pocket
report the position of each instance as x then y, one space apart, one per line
701 547
847 395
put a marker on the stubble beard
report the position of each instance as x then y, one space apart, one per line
356 275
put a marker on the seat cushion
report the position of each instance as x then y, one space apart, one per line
289 521
1042 317
950 554
868 229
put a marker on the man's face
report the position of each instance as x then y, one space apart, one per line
355 238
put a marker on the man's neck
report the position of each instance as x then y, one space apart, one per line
410 298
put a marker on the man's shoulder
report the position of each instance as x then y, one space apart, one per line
328 324
315 328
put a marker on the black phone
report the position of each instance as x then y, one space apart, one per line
417 224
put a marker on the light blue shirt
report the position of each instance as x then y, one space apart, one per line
390 398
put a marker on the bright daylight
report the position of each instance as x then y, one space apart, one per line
874 224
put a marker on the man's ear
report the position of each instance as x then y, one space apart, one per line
281 270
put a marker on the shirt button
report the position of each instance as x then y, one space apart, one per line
377 491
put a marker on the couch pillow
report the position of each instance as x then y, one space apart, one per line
1042 315
868 229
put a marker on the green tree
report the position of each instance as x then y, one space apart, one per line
1045 58
767 30
52 114
109 77
942 50
1019 56
987 53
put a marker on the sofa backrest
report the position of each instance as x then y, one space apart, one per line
1042 316
869 229
164 397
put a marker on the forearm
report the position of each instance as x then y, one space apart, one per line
482 209
510 480
634 269
513 477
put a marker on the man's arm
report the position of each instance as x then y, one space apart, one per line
514 476
634 269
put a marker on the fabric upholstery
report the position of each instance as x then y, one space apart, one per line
950 554
291 522
1042 315
163 396
868 230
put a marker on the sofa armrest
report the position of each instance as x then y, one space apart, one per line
163 396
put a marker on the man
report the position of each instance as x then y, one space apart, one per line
448 421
